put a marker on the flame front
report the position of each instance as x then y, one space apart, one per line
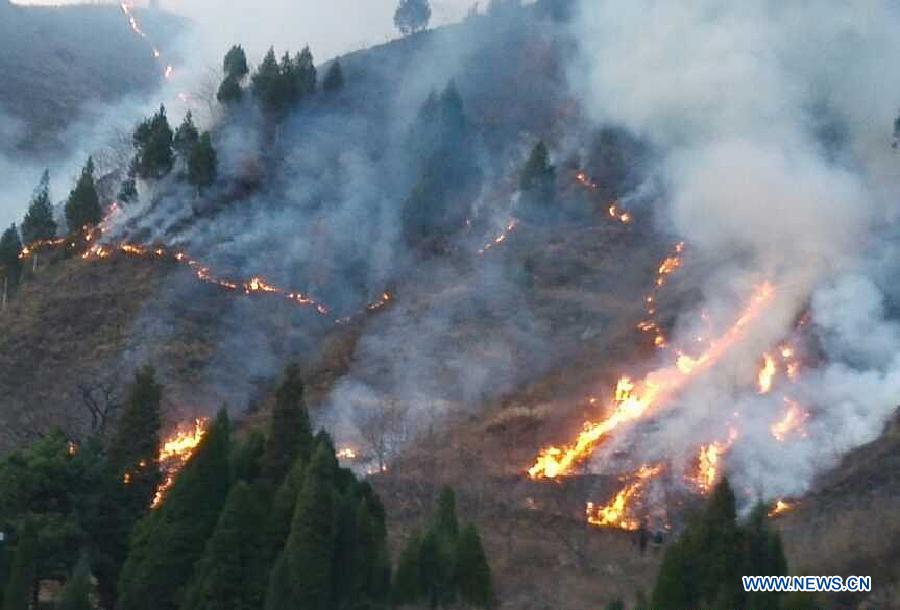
766 374
174 454
709 463
633 401
617 513
781 506
792 422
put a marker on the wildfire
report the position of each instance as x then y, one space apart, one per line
633 400
174 454
347 453
253 285
792 421
781 506
617 513
667 267
510 227
616 213
709 462
137 29
766 374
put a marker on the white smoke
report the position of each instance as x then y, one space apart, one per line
774 123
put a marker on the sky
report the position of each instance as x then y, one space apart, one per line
330 27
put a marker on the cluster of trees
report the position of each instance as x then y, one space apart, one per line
446 565
158 147
276 85
442 146
253 521
703 568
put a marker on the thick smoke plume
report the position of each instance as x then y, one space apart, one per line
774 125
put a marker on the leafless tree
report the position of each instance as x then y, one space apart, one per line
101 402
383 428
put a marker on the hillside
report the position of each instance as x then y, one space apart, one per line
88 57
469 267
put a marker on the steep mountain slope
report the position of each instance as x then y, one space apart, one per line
58 61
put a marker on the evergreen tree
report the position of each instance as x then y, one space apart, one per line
445 521
83 205
19 590
10 264
203 163
266 84
703 567
38 223
77 593
235 64
472 574
290 434
303 577
764 557
407 587
334 78
538 177
305 73
283 506
436 570
134 448
230 91
186 137
168 542
128 191
246 461
153 141
412 16
231 575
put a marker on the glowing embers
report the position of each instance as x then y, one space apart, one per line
668 266
168 70
174 454
620 512
791 423
781 507
502 237
709 463
633 401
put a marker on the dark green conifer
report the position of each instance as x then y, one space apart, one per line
38 223
83 205
334 78
472 574
19 590
203 163
231 575
77 593
290 433
169 541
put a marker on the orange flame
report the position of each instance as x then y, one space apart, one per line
781 506
709 462
174 455
632 400
616 514
504 235
792 421
766 374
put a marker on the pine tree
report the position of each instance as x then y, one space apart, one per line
246 460
407 586
135 446
290 434
231 575
412 16
334 78
77 593
186 137
445 522
230 91
539 176
19 589
168 542
266 83
283 506
303 578
436 570
38 223
764 556
305 73
203 163
472 574
83 206
153 140
235 64
10 264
